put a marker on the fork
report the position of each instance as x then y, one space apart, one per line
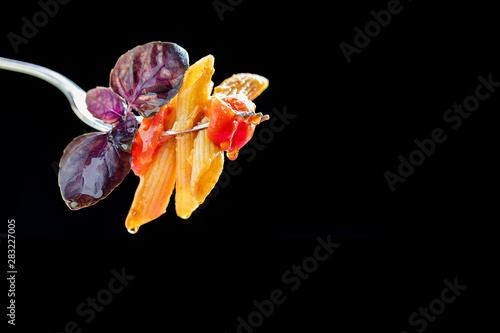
76 95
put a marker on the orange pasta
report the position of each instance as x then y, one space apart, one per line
191 162
157 181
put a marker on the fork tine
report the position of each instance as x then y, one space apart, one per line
166 134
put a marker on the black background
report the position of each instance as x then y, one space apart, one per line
323 174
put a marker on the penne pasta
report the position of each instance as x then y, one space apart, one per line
208 161
191 162
208 158
192 96
156 182
250 85
155 188
184 202
194 93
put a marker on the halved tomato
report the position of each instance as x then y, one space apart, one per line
227 130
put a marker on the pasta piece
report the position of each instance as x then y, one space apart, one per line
208 158
191 162
250 85
194 93
208 161
155 188
191 98
156 182
184 202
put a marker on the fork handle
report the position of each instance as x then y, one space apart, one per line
74 94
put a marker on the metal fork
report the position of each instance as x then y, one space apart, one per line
76 95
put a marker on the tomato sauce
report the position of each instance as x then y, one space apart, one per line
148 139
227 130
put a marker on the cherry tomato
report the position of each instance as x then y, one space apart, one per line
227 130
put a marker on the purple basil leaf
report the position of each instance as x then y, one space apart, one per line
90 168
123 133
105 104
149 76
